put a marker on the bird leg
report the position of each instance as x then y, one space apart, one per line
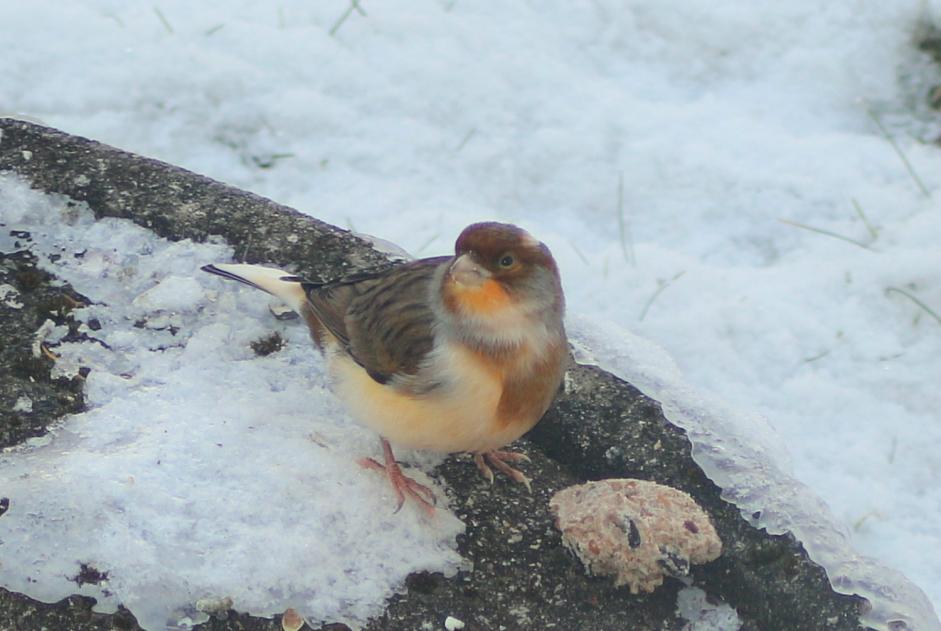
401 483
499 459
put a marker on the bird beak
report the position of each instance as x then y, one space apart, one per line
464 271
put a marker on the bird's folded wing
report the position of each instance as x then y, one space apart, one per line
384 321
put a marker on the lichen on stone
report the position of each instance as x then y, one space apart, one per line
635 530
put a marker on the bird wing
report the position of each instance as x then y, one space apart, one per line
382 320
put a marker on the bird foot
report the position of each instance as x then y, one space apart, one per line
403 485
499 459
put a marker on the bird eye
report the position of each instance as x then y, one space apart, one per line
507 260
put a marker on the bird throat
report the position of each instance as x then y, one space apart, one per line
487 298
489 319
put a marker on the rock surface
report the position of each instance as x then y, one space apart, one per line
522 575
29 398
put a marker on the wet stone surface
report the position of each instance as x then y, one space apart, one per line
29 397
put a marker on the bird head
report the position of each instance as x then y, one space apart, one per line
499 269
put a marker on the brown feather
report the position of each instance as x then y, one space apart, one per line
383 320
528 393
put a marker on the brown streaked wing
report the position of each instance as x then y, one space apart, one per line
384 320
330 301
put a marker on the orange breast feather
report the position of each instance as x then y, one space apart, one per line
529 381
487 298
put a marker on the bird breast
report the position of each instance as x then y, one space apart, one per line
478 403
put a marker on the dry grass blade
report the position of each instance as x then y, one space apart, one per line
898 151
813 358
354 6
862 520
660 289
859 211
913 298
163 20
579 253
114 17
627 241
427 243
466 139
827 233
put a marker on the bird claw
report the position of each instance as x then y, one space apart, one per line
512 456
402 485
485 470
418 492
370 463
499 461
522 479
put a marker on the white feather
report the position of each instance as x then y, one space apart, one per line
276 282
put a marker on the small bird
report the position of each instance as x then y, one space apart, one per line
458 353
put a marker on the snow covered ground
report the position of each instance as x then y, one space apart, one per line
654 146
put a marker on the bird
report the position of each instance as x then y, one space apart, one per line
460 353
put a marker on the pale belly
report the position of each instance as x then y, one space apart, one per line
459 416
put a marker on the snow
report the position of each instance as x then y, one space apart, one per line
205 472
173 293
718 118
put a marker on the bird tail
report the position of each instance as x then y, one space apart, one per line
276 282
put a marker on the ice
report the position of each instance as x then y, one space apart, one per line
199 470
701 615
9 295
173 293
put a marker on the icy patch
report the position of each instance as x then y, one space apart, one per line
392 250
200 472
701 615
23 404
9 296
733 449
173 293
